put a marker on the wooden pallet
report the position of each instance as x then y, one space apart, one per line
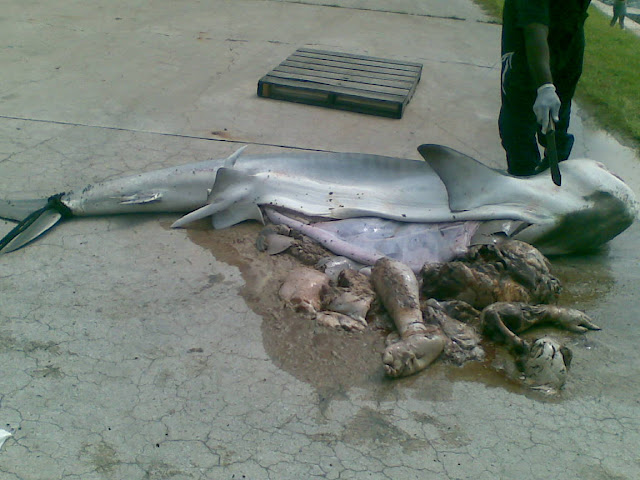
376 86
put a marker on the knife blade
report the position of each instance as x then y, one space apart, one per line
552 153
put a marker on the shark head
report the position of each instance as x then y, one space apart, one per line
597 207
590 208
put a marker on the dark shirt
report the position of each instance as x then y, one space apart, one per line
565 19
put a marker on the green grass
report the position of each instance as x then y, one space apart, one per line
610 85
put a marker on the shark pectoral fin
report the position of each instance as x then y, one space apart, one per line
224 214
202 212
238 212
30 228
231 198
140 198
493 231
469 183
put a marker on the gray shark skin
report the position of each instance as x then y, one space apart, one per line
592 206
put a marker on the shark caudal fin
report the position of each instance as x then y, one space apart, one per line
32 225
470 184
18 210
232 200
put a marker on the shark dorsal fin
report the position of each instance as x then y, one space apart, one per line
231 160
470 184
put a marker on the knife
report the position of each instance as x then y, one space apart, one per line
552 153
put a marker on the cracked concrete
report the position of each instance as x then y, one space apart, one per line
132 351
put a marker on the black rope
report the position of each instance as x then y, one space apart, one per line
54 202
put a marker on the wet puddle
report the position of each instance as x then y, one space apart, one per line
327 359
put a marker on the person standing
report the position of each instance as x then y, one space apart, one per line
542 55
619 12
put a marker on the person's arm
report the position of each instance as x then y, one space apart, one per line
535 38
547 102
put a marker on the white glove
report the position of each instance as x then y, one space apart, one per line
547 105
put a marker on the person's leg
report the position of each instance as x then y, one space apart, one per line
566 80
517 122
518 135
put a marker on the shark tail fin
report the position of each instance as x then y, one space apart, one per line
35 224
18 210
484 184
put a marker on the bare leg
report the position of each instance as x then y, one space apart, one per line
417 345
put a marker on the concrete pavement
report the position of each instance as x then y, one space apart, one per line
132 351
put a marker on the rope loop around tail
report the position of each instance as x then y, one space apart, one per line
54 202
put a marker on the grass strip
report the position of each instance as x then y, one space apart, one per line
610 84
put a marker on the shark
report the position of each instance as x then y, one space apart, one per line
592 206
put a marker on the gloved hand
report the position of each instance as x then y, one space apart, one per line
547 105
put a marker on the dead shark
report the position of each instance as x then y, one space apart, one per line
592 206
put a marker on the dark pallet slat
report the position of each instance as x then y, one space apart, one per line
351 56
335 89
373 72
362 64
339 82
344 81
345 74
